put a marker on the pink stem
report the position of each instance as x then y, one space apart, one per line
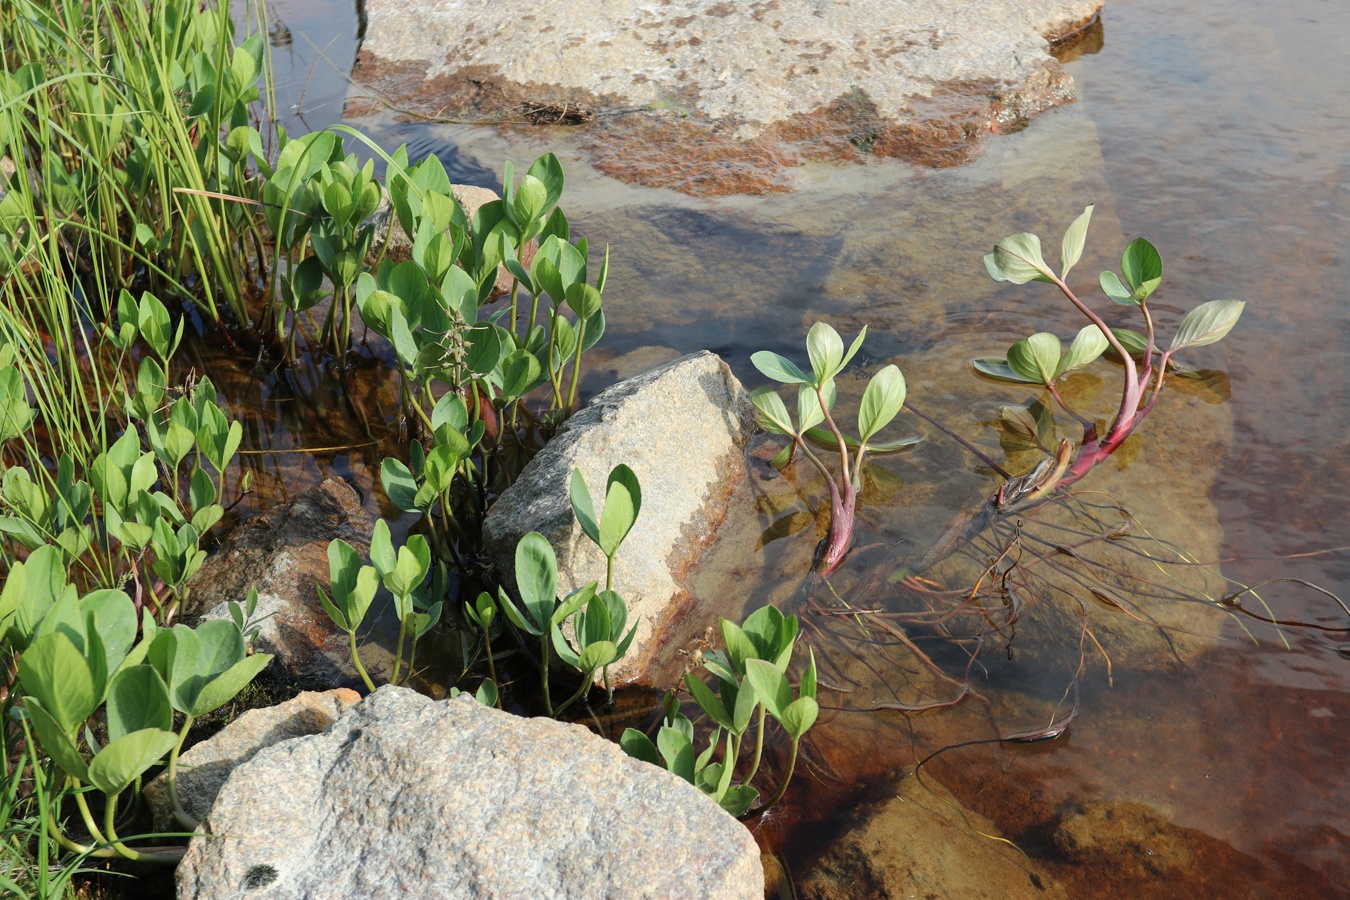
840 538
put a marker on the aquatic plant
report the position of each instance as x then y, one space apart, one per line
816 394
91 655
751 681
1041 360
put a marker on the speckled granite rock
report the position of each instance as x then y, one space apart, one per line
682 428
203 770
409 797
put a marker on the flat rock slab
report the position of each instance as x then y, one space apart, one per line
682 429
409 797
876 76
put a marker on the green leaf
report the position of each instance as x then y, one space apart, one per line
599 654
521 372
807 688
678 752
126 758
1207 323
826 351
708 701
809 413
382 554
55 672
1134 343
743 707
738 800
138 698
639 746
400 485
999 369
881 401
1075 236
1113 288
537 578
1087 345
1036 358
487 694
779 368
623 502
991 266
739 646
583 508
584 300
550 173
771 412
799 715
55 740
1140 263
770 686
1018 258
222 688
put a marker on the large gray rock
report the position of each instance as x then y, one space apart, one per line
894 78
408 797
283 552
204 769
682 429
923 843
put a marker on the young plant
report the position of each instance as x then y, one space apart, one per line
483 612
751 681
1041 360
623 502
540 611
403 573
881 402
352 587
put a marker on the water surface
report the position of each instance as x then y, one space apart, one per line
1220 131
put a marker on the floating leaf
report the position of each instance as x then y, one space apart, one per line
998 368
1036 358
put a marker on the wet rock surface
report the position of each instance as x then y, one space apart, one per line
204 769
408 797
283 552
744 90
923 843
682 429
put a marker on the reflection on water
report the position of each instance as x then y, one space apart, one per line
1219 131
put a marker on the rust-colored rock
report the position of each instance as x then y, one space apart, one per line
283 552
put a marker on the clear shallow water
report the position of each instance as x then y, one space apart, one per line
1220 131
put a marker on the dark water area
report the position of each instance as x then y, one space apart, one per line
1219 131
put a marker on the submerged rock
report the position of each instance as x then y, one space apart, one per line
204 769
408 797
682 429
283 552
923 843
738 85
